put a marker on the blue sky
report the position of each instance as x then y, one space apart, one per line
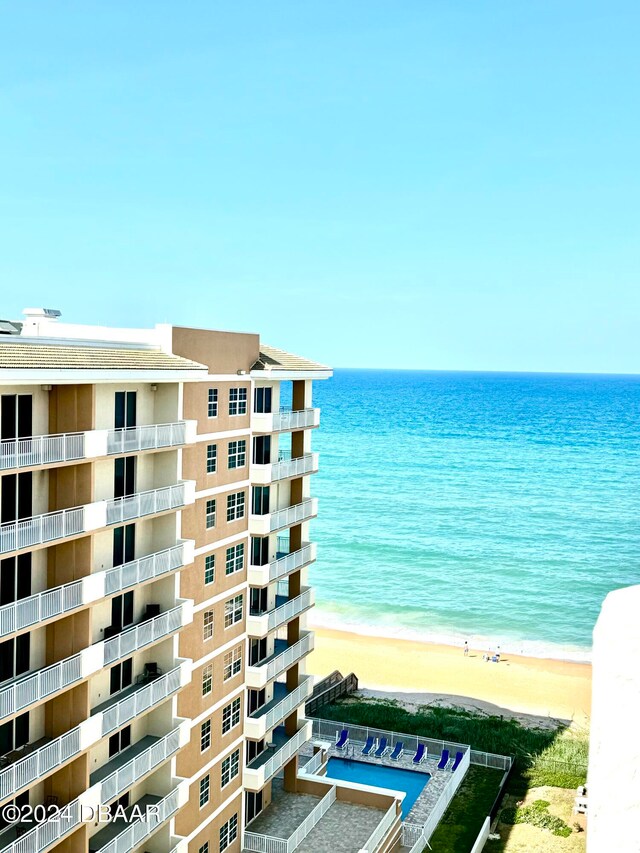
448 185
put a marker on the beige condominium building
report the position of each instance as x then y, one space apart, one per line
156 503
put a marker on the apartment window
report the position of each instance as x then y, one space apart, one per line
212 458
204 790
228 832
235 559
207 630
235 506
212 404
232 663
260 500
125 409
211 513
121 676
207 679
15 578
230 768
16 416
231 716
237 453
119 741
205 735
124 476
237 401
14 733
209 568
233 611
15 656
262 400
204 848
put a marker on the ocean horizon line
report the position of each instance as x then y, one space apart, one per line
491 372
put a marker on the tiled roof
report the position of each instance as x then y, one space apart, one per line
21 356
277 359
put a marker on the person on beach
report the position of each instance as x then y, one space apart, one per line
466 648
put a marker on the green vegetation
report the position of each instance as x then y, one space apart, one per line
543 756
459 828
537 814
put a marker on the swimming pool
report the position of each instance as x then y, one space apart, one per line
409 781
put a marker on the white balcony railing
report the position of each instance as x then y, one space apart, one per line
257 726
41 450
41 528
146 568
261 525
40 607
143 827
285 468
133 639
146 697
150 437
380 832
32 688
254 841
262 575
132 771
285 420
290 609
255 778
146 503
258 676
49 832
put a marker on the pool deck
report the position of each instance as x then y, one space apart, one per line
427 798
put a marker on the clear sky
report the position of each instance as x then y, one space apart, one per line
449 184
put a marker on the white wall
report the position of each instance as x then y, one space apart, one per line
614 754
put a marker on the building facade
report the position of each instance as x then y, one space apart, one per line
156 503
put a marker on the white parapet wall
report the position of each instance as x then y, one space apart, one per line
614 753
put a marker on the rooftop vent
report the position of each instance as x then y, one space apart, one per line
41 313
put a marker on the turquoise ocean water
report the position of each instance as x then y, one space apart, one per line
497 508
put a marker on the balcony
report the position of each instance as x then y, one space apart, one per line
72 447
262 525
285 563
135 762
53 526
46 605
274 712
36 760
284 468
285 420
27 838
150 631
259 625
258 772
140 697
260 674
150 502
125 834
150 437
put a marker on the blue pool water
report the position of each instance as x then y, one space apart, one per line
408 781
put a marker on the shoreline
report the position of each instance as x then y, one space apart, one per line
518 685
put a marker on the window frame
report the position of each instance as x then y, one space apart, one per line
237 453
209 569
212 403
210 513
207 626
237 402
234 557
235 612
204 790
205 735
227 767
236 506
232 663
231 715
212 458
207 679
228 832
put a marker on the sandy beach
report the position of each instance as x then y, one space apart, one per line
425 672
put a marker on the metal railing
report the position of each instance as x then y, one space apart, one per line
344 687
140 701
286 705
41 528
143 569
39 684
282 755
139 766
153 436
41 450
294 514
289 563
39 607
297 467
380 832
145 503
269 844
313 764
287 419
39 762
142 828
132 639
289 610
284 660
49 832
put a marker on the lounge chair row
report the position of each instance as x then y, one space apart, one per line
379 748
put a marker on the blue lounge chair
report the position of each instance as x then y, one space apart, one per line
366 749
457 760
419 757
382 748
398 749
444 759
343 740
